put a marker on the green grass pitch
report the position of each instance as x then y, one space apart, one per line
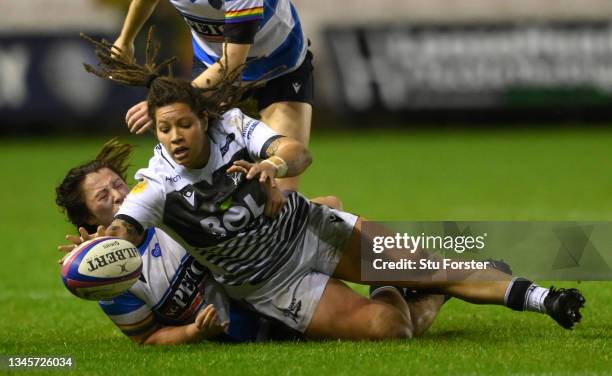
552 174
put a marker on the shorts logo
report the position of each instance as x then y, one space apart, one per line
293 311
296 86
333 219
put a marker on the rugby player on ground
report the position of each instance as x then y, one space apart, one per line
176 300
208 182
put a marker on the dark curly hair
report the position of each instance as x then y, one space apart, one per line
69 196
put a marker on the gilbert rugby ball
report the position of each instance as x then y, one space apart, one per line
102 268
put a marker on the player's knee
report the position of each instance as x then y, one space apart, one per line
333 202
389 323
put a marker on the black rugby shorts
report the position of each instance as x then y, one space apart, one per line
296 86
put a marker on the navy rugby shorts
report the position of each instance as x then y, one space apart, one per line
295 86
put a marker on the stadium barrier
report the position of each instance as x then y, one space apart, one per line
512 67
43 84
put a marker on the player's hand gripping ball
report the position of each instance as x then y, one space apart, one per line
102 268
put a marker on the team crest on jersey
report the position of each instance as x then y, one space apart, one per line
140 187
156 252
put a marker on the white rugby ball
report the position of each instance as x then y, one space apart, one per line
102 268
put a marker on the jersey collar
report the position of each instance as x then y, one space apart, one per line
204 173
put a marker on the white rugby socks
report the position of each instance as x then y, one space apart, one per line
534 298
524 295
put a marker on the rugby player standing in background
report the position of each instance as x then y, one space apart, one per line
265 34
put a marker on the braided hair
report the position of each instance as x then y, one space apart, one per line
208 103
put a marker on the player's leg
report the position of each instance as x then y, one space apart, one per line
474 291
423 311
423 308
343 314
328 232
331 201
488 286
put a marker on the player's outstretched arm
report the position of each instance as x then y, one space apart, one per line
76 240
234 56
205 326
138 13
137 118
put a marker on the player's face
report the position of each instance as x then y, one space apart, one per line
183 134
104 192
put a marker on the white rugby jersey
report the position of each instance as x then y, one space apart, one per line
218 217
172 290
279 46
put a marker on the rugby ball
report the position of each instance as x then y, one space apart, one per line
101 268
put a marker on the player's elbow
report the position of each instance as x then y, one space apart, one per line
304 161
296 155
